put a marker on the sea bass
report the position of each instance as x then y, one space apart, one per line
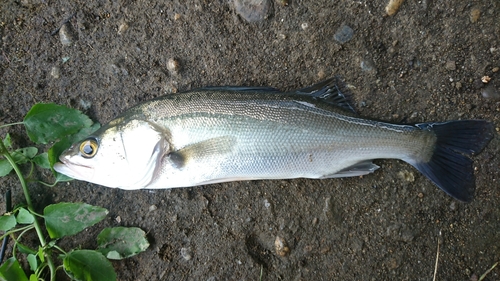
221 134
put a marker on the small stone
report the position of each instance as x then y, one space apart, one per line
451 65
55 72
173 65
490 92
282 2
453 206
343 34
152 208
252 10
122 28
495 69
186 253
458 85
367 65
407 176
475 13
177 16
281 247
66 34
304 26
85 105
267 204
485 79
393 6
321 74
118 219
420 195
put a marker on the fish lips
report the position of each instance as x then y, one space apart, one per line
76 171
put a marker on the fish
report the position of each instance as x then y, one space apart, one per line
220 134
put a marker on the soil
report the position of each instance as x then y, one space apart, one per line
424 63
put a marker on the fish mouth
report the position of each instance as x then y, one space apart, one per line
74 170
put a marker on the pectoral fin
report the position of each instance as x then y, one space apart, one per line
202 151
358 169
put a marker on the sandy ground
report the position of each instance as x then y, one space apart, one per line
425 63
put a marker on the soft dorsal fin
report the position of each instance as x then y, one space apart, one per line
330 91
242 89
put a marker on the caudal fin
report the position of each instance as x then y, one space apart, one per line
450 167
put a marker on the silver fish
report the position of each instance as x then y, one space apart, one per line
221 134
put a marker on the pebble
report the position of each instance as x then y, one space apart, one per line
343 34
173 66
267 204
85 105
485 79
282 2
186 253
280 246
367 65
451 65
55 72
393 6
304 26
475 13
407 176
490 92
252 10
122 28
453 206
66 34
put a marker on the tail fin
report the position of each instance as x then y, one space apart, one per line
450 167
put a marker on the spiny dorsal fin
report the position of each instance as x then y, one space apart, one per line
330 91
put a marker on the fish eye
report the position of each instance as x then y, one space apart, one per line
88 147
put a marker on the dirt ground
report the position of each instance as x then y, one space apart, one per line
425 63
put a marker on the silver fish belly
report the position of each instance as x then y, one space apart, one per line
223 134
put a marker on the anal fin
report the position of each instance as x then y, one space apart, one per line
356 170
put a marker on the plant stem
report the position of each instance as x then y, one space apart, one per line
10 124
38 229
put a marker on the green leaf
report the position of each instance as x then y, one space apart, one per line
24 217
23 155
33 277
41 254
5 167
88 265
7 142
63 219
49 122
25 249
7 222
33 262
121 242
62 178
42 160
11 270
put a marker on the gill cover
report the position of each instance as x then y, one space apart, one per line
125 154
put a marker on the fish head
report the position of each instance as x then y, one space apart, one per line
125 154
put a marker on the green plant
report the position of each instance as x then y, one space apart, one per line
50 123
